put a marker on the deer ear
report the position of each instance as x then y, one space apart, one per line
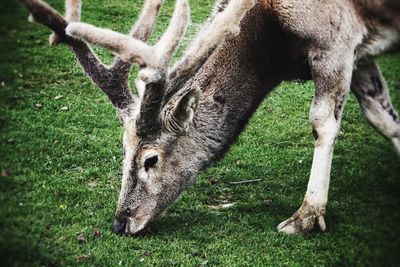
179 114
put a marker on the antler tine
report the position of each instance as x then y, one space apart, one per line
127 48
133 50
153 60
73 10
42 13
169 42
151 82
141 30
72 13
144 26
115 87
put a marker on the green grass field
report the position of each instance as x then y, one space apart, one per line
61 170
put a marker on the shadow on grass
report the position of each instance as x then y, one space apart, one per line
257 218
356 197
18 245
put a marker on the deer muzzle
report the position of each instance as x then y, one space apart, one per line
129 225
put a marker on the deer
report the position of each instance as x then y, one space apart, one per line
186 115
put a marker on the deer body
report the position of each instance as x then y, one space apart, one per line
187 116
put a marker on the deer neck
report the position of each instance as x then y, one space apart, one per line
236 79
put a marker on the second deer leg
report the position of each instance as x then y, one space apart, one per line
372 93
332 84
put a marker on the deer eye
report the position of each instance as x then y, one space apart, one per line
150 162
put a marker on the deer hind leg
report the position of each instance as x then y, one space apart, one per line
372 93
332 77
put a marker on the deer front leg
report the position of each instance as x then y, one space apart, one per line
332 83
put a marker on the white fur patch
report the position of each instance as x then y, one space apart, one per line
318 185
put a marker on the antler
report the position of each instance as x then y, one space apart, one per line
113 80
153 60
154 75
133 50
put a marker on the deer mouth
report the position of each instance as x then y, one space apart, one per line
137 224
131 226
134 226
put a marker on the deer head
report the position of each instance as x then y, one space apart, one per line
159 140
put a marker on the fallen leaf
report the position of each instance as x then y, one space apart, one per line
96 234
82 257
147 253
213 181
81 238
267 201
92 183
61 239
222 206
196 254
4 173
10 141
78 169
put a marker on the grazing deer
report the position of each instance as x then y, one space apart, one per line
187 115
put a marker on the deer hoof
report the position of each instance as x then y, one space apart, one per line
303 221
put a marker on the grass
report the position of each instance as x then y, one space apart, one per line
63 170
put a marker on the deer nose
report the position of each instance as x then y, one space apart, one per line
118 226
120 220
